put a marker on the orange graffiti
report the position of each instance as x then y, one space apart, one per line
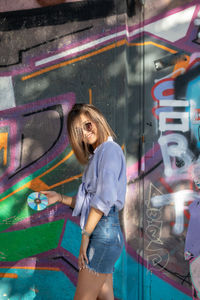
90 96
181 66
154 44
96 52
8 275
74 60
37 184
4 145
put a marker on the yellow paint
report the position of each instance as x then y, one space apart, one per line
4 145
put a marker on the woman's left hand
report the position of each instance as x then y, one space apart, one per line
82 253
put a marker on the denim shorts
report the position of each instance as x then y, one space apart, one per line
106 243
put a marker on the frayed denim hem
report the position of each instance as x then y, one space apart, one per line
94 271
90 270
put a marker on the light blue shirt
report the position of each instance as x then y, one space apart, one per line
103 182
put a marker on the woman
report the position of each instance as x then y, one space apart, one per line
100 196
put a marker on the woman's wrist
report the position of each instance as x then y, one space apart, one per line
60 198
86 233
70 201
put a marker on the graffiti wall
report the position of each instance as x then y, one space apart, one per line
138 62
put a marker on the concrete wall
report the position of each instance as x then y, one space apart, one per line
140 65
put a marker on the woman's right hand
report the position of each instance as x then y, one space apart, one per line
52 196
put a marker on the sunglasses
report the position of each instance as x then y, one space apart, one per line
86 127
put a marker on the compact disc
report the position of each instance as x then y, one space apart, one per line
37 201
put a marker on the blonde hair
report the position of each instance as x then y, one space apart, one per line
81 149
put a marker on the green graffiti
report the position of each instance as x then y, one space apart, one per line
20 244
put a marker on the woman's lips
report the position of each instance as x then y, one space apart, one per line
89 135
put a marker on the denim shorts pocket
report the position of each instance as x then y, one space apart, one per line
100 230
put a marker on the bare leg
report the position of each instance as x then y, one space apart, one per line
106 291
89 285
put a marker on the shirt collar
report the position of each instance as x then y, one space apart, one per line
109 139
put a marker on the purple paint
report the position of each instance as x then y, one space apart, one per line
50 214
149 160
192 243
66 100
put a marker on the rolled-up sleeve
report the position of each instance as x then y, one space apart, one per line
109 168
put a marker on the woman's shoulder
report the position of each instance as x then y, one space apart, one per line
110 144
110 148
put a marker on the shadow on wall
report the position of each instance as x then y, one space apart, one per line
60 14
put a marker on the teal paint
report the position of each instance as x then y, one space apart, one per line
71 242
151 287
36 284
120 277
72 238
